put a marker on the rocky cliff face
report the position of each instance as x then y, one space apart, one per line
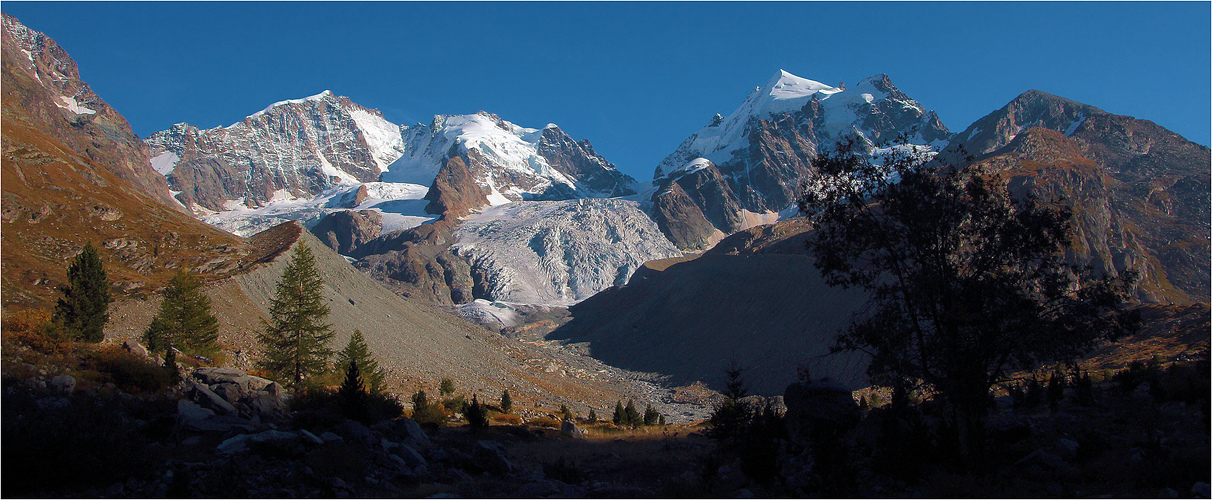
296 148
43 80
1141 191
74 173
744 169
343 231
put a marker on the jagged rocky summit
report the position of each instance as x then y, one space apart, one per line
744 169
1140 192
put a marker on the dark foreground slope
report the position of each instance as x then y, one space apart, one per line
766 308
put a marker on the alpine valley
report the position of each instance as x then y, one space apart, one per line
510 258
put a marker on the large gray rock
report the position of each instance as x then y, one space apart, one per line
272 442
823 404
354 431
188 410
404 430
207 398
220 424
570 429
492 457
64 384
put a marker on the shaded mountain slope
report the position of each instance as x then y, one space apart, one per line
767 309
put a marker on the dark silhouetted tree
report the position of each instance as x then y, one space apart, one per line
965 280
620 414
352 395
357 351
475 414
593 416
184 320
650 415
506 401
631 416
84 308
296 337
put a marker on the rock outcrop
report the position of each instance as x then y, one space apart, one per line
43 81
74 173
1140 191
343 231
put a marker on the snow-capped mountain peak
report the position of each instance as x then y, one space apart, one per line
322 95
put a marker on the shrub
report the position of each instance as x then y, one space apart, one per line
321 405
545 422
35 328
457 404
507 419
446 387
131 372
425 412
565 413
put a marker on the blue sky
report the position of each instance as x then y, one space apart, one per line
633 78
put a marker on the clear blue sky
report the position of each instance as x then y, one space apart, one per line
633 78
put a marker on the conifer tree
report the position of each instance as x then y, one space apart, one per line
184 320
565 413
446 387
593 416
170 365
352 394
650 415
475 414
296 337
357 351
83 309
631 416
619 413
506 401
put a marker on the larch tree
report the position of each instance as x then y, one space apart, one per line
84 308
185 320
296 338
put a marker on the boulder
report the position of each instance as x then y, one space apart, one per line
64 384
354 431
229 391
136 348
405 452
220 424
188 410
570 429
823 404
271 442
404 430
492 457
202 394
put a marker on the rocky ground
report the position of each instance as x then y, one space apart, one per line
102 421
